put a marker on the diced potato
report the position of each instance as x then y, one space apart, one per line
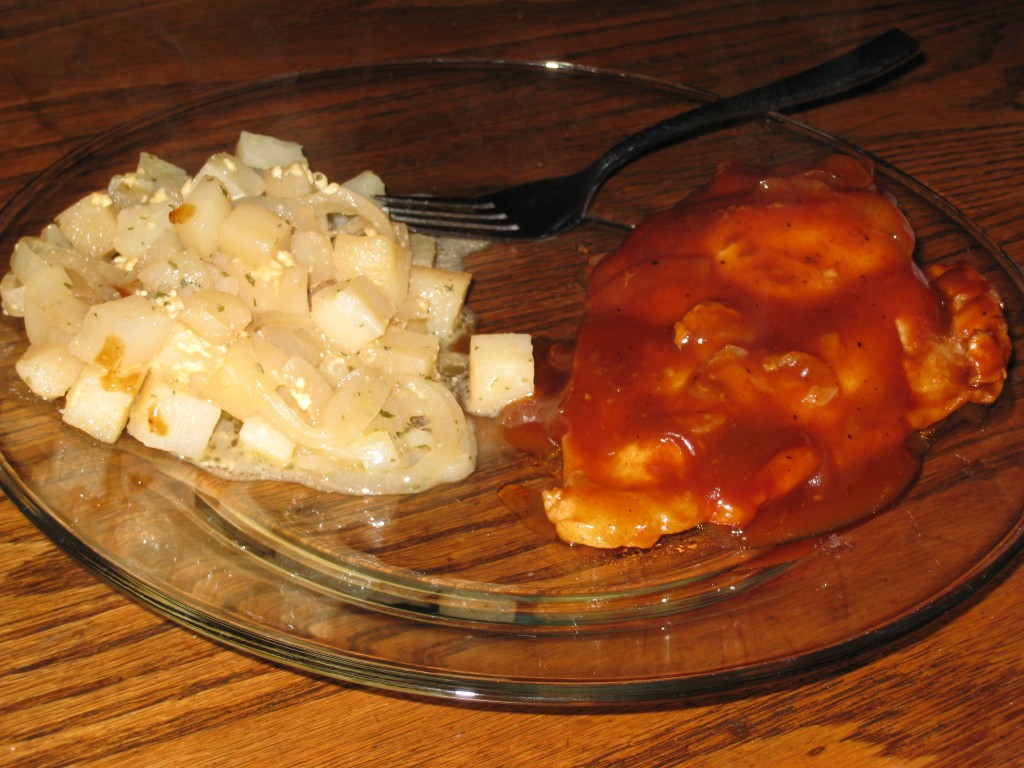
367 184
375 449
314 251
216 316
52 311
165 175
48 369
172 420
253 235
299 214
141 226
90 225
168 268
99 405
236 177
25 260
283 291
131 189
401 352
51 234
12 294
198 219
259 436
93 279
235 387
424 249
259 151
121 335
294 339
501 371
351 314
153 181
436 296
289 295
288 181
187 360
377 258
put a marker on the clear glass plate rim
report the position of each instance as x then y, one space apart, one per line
400 677
404 678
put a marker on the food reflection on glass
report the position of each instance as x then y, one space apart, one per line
757 359
760 359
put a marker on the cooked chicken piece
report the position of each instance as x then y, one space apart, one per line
758 357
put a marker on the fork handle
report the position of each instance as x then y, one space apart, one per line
857 67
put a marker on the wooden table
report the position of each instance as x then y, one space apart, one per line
91 678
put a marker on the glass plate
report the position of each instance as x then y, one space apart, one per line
464 591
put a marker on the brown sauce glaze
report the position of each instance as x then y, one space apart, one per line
758 359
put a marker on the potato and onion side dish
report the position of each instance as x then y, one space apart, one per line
260 320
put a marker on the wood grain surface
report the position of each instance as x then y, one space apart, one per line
92 678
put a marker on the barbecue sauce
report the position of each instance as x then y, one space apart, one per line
758 360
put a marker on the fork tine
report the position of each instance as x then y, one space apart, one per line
452 215
442 208
454 227
442 203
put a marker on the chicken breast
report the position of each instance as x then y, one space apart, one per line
757 358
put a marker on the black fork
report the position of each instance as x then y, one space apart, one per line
552 206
